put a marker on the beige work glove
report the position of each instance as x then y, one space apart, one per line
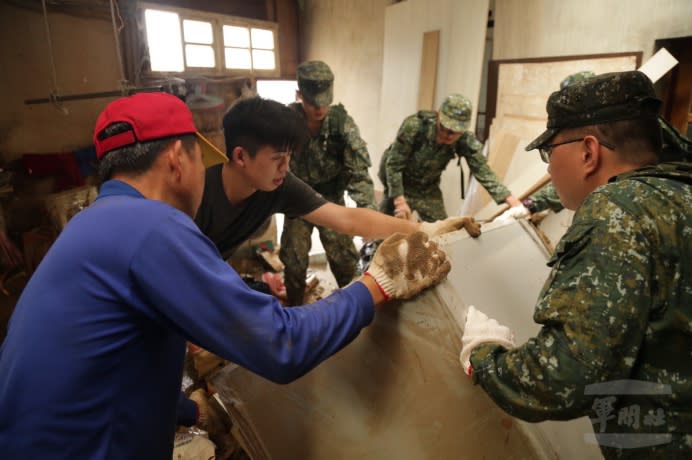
480 329
404 265
401 208
451 224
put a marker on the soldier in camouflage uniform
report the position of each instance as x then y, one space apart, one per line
676 147
334 161
411 166
616 310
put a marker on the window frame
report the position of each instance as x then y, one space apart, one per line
217 21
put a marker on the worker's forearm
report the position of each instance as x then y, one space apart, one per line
376 225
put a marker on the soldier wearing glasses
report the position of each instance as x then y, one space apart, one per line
676 147
617 306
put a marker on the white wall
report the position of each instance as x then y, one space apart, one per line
534 28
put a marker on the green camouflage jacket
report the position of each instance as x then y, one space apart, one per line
336 160
617 306
415 162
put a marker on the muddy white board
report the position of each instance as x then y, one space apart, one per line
398 390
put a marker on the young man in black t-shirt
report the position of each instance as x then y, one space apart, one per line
239 195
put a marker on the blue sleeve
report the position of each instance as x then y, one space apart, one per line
187 285
187 411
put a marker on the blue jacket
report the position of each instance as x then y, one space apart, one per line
92 363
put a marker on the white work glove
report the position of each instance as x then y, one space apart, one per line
515 212
401 208
404 265
451 224
481 329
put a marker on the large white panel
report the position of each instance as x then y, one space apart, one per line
536 28
398 391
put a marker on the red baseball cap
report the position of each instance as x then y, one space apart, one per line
152 116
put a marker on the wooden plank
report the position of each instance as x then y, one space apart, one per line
502 148
428 70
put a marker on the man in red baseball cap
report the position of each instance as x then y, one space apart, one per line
92 363
150 117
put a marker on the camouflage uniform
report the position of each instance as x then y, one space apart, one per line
576 77
617 306
676 147
413 164
334 161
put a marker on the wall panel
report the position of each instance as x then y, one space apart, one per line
536 28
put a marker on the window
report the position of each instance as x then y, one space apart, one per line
188 41
283 91
248 48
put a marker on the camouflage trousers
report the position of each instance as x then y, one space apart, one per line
428 202
295 246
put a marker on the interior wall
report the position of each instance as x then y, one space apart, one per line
85 61
349 36
537 28
462 25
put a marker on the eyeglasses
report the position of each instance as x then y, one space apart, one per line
546 151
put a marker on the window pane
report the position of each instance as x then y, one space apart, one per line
238 58
283 91
199 56
165 43
262 59
197 32
262 38
238 37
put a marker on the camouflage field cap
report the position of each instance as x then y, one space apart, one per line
315 83
455 113
600 99
576 77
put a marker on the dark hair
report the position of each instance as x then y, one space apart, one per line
135 158
256 122
637 141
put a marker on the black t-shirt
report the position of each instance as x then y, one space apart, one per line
229 226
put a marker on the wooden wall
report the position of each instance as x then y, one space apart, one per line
85 58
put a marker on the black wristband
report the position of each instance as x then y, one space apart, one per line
530 205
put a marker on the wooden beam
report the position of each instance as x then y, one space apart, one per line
428 70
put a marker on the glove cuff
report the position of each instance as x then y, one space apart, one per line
530 205
467 349
382 280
